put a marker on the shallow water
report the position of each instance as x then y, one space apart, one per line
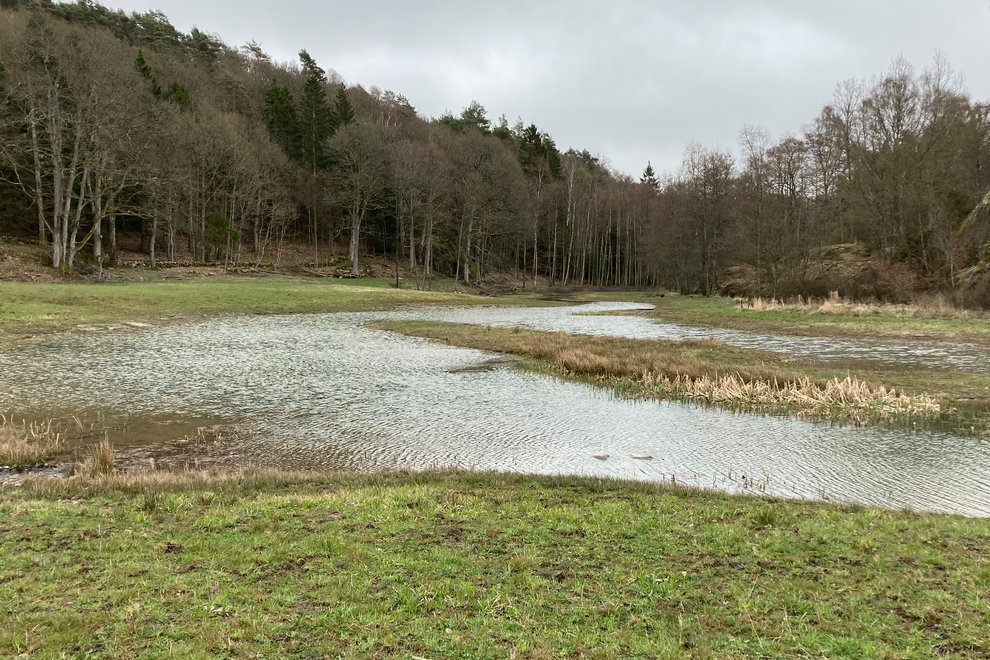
967 357
323 390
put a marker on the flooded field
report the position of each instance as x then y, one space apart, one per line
322 390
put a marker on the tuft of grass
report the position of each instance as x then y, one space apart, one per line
711 372
100 462
28 444
475 565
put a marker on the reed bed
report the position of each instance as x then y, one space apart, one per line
931 306
26 444
848 399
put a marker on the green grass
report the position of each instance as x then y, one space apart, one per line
27 308
725 313
467 565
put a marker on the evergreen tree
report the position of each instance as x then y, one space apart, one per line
282 119
145 70
450 121
179 95
502 130
650 178
343 111
475 117
316 119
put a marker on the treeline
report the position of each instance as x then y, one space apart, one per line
113 120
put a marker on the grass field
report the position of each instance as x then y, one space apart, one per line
272 564
27 308
466 565
806 320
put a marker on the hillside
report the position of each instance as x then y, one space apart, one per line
119 125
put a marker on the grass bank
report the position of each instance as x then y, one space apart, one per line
27 308
475 565
716 373
811 320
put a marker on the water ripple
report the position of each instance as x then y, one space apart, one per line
323 390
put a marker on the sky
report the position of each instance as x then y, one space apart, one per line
629 80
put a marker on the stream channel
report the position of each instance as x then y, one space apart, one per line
321 390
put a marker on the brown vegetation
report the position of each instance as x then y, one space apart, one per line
925 306
26 444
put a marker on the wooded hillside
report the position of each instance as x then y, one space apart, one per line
113 122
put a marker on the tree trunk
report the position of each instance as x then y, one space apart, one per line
355 237
154 239
112 225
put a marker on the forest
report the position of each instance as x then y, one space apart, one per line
115 123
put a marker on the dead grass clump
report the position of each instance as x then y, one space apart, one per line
27 444
762 304
100 463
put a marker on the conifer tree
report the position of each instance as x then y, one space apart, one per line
316 120
282 119
650 178
145 70
343 111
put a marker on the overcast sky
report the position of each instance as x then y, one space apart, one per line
632 80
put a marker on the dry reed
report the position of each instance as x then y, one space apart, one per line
27 444
928 306
854 399
100 462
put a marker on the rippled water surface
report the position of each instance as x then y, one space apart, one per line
583 320
323 390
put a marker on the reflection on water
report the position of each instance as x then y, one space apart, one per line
323 390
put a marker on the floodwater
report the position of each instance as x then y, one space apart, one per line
322 390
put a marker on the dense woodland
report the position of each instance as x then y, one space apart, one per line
114 122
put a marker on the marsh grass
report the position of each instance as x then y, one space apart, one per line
845 399
98 461
705 371
450 564
25 444
929 306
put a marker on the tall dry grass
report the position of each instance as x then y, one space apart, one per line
98 461
26 444
848 398
927 306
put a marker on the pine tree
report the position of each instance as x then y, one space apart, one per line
475 117
179 95
282 119
343 111
145 70
316 120
650 178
